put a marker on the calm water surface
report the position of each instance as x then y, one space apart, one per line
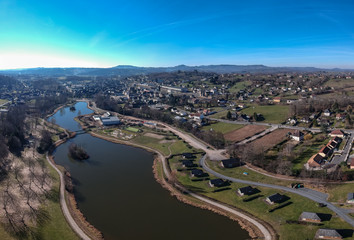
116 190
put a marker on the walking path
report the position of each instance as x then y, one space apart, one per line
64 206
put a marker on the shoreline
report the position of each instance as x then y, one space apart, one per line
253 231
70 200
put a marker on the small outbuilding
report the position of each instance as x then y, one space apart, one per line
275 198
323 233
217 182
350 198
246 191
309 217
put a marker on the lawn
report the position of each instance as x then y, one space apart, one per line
259 208
222 127
239 86
338 192
271 113
2 101
306 150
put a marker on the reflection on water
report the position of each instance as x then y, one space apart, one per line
116 191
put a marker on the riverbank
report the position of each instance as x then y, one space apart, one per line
172 186
72 213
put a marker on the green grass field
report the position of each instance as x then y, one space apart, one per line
259 208
306 151
340 83
338 192
240 86
135 130
2 101
222 127
271 113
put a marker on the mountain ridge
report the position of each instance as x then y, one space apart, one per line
127 70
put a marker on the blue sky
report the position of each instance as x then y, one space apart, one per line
89 33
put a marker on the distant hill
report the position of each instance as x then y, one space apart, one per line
127 70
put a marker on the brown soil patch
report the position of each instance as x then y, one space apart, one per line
243 133
153 135
270 140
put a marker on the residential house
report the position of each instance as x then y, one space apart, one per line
298 136
187 155
351 166
275 198
197 173
325 151
316 161
327 113
217 182
246 191
327 234
277 100
309 217
340 116
337 133
230 163
187 163
350 198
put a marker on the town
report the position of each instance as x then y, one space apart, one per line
281 140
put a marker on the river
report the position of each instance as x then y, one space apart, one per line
116 191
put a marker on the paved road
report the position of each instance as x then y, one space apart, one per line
217 155
64 207
305 192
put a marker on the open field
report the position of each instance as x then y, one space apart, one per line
2 101
338 193
257 206
340 83
224 128
243 133
240 86
271 113
270 140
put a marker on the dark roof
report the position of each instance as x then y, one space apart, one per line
298 133
337 139
197 172
318 158
350 196
246 190
275 197
187 155
333 144
217 182
188 163
230 163
327 233
310 215
326 150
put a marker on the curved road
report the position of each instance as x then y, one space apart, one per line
305 192
64 206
